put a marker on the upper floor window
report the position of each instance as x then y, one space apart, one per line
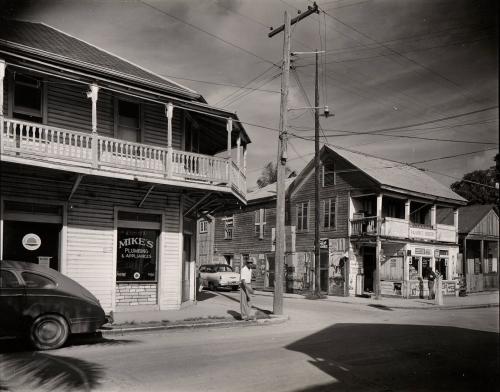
203 226
328 172
260 221
28 93
329 216
128 121
228 227
302 216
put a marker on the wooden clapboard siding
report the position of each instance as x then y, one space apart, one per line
244 238
68 106
488 226
155 126
347 180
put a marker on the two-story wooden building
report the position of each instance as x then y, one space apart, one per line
105 167
378 225
248 233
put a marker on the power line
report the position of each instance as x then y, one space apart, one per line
245 93
210 34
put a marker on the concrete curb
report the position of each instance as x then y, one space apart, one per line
273 320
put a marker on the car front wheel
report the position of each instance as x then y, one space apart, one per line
49 332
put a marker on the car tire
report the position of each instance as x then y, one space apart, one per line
49 331
211 286
235 288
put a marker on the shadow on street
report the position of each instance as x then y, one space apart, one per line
387 357
22 368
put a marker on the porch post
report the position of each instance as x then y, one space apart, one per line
455 223
229 128
93 95
407 210
169 160
378 251
245 160
482 256
433 216
238 147
2 75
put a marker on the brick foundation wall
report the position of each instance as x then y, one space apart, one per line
133 294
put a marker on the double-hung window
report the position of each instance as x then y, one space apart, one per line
302 216
228 227
128 126
329 216
203 226
328 172
260 221
28 98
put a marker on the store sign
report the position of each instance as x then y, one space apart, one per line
31 241
136 255
323 243
426 234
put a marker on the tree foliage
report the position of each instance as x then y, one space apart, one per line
269 175
472 188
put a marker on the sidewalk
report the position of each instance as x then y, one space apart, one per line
217 309
473 300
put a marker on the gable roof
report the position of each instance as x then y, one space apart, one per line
269 191
46 41
391 175
470 216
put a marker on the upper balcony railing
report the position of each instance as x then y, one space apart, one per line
23 139
401 228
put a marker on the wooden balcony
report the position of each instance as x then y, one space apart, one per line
86 153
400 228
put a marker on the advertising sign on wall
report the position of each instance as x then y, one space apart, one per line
136 255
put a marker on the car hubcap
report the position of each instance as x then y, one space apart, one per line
49 331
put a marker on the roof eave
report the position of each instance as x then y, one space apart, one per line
424 195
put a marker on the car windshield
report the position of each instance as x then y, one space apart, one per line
224 268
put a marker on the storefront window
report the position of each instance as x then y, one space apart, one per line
136 255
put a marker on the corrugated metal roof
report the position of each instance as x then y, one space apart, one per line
62 46
470 216
267 191
397 175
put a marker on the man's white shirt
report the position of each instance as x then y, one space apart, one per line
246 274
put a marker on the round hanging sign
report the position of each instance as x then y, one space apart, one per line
137 275
31 241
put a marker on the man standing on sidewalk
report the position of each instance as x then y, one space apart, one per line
245 291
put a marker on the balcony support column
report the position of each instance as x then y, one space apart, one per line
2 76
238 151
455 224
245 160
407 210
93 95
433 216
169 161
229 128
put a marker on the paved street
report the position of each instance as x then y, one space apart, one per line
325 346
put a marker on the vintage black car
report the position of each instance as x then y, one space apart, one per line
41 304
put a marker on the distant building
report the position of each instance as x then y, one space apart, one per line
478 239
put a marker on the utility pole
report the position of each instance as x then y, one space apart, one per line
317 288
282 158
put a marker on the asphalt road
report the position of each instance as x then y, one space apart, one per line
325 346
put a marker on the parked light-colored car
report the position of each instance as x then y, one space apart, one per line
216 276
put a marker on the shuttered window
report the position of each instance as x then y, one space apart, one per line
260 221
328 173
28 98
329 216
302 216
129 121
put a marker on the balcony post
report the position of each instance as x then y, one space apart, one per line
229 128
169 160
407 210
245 160
455 224
2 75
93 95
238 153
433 216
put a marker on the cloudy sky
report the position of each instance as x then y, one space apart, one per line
421 68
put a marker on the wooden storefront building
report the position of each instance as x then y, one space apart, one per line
105 166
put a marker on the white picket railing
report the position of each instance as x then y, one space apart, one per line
24 139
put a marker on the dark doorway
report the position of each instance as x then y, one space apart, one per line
323 270
270 271
186 267
368 268
14 248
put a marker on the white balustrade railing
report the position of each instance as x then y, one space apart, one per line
22 139
39 139
198 166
